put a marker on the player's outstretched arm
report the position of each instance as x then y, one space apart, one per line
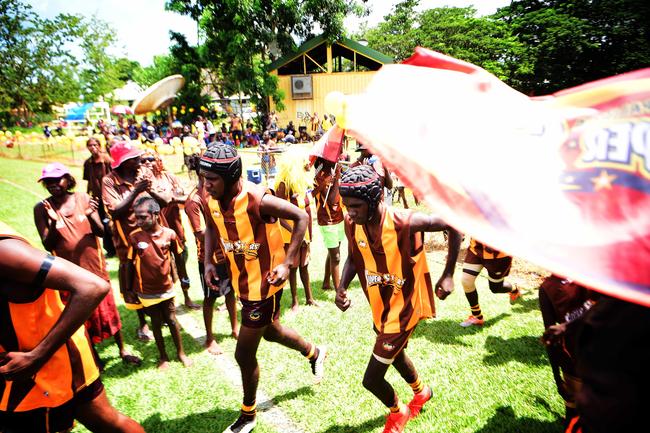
21 268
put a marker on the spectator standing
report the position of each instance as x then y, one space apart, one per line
69 227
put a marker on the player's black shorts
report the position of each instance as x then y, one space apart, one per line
257 314
53 419
224 285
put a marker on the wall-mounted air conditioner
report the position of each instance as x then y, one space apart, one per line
301 87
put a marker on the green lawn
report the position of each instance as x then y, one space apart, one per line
494 379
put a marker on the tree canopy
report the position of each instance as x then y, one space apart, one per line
38 67
536 46
573 42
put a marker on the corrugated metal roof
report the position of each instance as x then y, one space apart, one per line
343 41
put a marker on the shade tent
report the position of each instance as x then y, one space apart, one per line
78 114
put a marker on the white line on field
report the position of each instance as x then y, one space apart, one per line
40 197
269 412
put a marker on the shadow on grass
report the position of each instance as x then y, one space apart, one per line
369 426
291 395
320 296
449 331
215 420
525 305
148 351
526 349
505 421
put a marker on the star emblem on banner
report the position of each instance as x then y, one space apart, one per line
603 181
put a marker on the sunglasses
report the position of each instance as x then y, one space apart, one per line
148 159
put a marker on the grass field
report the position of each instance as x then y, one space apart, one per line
494 379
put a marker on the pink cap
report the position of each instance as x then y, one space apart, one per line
53 171
121 151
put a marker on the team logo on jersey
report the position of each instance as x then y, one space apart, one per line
238 247
388 347
255 316
385 280
362 243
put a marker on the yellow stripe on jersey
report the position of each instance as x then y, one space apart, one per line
374 296
217 217
394 264
246 234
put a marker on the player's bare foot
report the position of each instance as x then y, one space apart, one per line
192 305
187 362
222 307
294 308
144 334
312 303
163 365
213 348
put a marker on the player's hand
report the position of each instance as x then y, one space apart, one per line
444 287
93 205
211 277
278 275
19 365
553 334
51 213
342 301
142 185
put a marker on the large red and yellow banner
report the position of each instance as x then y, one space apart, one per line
562 181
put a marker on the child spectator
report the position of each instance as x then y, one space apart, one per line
150 248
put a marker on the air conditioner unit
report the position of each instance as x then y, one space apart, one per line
301 87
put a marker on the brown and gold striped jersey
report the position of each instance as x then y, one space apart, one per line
252 243
393 272
195 208
485 252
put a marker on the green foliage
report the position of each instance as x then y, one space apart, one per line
536 46
243 36
455 32
162 66
126 69
570 43
37 68
397 35
100 73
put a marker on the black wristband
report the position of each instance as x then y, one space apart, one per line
46 265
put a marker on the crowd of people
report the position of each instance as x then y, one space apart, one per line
250 240
233 130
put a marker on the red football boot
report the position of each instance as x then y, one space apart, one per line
415 405
395 422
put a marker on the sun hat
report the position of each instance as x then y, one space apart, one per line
53 171
121 151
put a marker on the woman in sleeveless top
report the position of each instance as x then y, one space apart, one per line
69 226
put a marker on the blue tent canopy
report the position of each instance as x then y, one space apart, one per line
78 113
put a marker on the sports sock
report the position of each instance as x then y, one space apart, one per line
249 411
313 352
472 298
396 407
417 386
